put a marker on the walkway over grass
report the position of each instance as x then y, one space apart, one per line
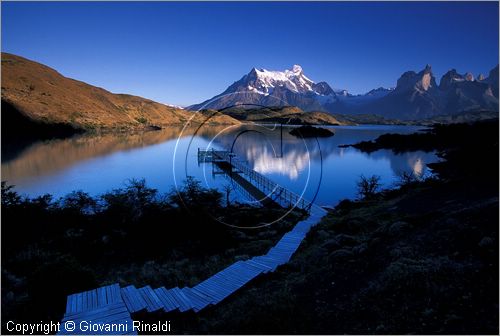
113 305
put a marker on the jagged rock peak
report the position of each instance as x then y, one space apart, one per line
469 77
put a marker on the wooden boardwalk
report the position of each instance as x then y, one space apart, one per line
113 305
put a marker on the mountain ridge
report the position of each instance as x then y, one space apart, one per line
37 95
416 95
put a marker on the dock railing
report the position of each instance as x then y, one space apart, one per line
283 196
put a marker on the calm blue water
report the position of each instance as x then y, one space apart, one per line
316 168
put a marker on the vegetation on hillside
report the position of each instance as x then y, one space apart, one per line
131 235
420 258
48 102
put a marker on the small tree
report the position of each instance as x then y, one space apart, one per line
79 202
227 190
368 186
9 196
406 179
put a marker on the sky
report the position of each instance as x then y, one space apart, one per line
185 53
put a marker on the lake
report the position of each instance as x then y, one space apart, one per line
318 169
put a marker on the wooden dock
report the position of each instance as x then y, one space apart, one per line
113 305
240 172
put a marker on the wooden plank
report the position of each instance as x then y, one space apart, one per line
72 302
218 283
108 295
225 282
94 298
196 304
236 273
96 312
244 273
80 302
101 296
86 301
207 294
175 300
127 301
127 292
115 293
201 296
152 304
185 304
253 267
136 298
168 305
207 290
170 296
165 301
210 289
254 263
231 278
107 318
68 304
199 301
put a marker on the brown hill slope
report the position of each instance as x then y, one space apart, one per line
42 95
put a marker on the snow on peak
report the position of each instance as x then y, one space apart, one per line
296 68
294 80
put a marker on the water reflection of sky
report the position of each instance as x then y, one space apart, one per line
299 168
96 165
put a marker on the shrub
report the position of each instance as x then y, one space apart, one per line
131 201
9 196
192 195
368 186
405 179
79 202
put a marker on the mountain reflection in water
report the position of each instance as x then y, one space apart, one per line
98 163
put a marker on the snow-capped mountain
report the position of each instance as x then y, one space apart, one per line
264 81
416 94
274 88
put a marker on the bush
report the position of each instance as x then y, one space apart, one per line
193 196
80 202
9 196
405 179
368 186
131 201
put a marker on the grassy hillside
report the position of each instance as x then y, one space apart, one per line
36 95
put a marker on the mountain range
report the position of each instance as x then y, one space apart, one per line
415 96
38 100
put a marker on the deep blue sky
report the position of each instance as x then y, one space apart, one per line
183 53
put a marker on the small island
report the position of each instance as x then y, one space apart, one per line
311 132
